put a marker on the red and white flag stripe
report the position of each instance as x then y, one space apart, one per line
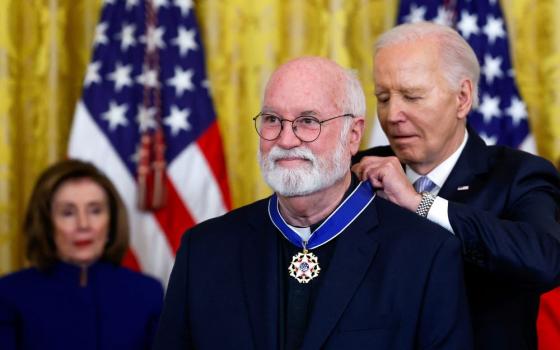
155 236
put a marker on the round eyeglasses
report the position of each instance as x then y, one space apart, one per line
306 128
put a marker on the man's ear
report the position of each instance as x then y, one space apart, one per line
355 134
465 98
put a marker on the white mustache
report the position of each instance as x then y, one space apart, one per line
277 153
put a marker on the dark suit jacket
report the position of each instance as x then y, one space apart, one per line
50 310
394 281
507 220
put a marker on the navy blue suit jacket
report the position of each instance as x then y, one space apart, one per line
49 310
394 281
504 206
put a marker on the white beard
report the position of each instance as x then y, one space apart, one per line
321 173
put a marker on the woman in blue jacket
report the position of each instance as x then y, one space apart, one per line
75 295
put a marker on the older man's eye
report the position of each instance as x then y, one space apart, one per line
382 99
270 119
412 98
307 121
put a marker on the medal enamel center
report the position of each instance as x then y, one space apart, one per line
304 266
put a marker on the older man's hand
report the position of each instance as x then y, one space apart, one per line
387 176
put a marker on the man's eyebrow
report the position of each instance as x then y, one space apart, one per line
404 90
266 109
309 112
412 90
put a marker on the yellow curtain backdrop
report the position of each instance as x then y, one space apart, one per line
45 48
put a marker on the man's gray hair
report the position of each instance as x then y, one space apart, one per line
353 99
458 60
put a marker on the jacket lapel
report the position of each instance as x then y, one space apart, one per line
355 249
260 277
473 161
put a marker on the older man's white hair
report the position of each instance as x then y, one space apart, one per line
458 60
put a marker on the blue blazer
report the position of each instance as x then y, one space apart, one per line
394 281
116 309
504 206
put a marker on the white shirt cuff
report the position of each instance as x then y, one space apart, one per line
438 213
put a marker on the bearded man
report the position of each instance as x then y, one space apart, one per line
323 262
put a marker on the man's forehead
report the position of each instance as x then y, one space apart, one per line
312 65
306 84
301 95
304 77
292 108
407 76
299 111
406 53
407 65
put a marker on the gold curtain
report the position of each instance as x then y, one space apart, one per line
535 32
45 48
245 41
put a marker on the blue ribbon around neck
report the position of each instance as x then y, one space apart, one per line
333 225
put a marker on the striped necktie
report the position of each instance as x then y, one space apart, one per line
423 184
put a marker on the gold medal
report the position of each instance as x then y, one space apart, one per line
304 266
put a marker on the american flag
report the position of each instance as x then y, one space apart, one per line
501 117
146 119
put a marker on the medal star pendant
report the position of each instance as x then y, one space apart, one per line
304 266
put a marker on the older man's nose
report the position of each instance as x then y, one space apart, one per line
395 111
287 138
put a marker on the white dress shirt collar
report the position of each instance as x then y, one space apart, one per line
440 173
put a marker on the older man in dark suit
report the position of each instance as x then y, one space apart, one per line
501 203
323 263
